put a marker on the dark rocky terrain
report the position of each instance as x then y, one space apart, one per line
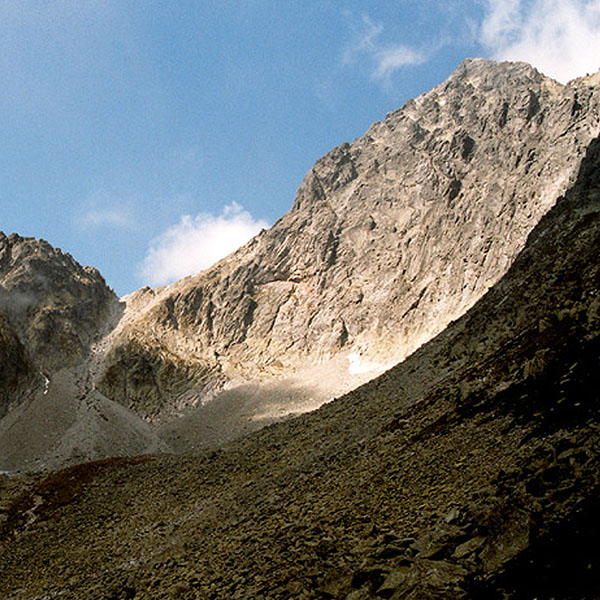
469 470
17 372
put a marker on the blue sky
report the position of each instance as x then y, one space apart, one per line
148 138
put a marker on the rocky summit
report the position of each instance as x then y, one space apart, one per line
458 238
389 239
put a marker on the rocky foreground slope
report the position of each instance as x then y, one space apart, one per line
390 238
470 470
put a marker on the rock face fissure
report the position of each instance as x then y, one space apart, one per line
390 238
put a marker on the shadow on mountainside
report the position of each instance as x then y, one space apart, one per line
236 412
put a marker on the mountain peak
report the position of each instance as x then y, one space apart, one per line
484 71
53 302
390 238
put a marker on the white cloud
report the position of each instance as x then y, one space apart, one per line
393 58
196 243
559 37
384 59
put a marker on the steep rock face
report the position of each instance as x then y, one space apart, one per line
390 238
55 305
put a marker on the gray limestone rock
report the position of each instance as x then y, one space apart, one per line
390 239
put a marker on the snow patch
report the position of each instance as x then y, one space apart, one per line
46 383
357 365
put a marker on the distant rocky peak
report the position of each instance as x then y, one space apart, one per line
54 304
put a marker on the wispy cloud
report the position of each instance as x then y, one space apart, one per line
384 59
103 209
196 243
365 34
559 37
122 218
393 58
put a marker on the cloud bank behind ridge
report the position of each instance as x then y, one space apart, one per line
561 38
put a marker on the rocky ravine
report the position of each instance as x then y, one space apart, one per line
390 238
470 470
